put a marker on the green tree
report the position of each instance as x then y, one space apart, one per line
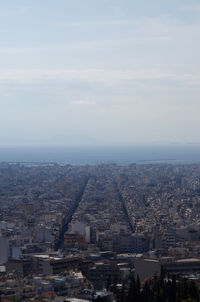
132 292
172 291
193 291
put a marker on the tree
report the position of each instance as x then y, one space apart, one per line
193 292
172 297
138 286
108 283
122 294
132 292
162 276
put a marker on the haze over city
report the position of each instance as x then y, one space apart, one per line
99 151
99 72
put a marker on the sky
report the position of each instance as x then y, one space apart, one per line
92 72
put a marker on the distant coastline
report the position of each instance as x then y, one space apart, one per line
156 160
101 155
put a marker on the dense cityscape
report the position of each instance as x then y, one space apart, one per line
84 233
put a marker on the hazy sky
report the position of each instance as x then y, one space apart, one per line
90 72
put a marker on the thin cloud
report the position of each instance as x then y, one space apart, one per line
11 12
82 102
98 23
191 8
92 76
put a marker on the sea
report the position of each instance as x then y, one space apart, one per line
139 154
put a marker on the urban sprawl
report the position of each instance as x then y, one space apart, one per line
81 233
